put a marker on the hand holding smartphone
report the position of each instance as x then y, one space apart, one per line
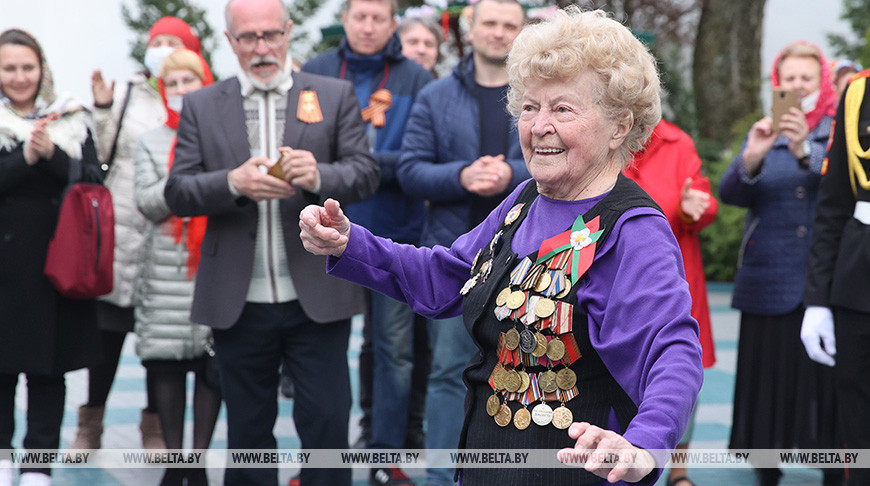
783 101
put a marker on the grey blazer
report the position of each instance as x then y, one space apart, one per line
212 140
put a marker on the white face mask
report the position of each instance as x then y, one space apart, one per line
174 103
808 102
154 57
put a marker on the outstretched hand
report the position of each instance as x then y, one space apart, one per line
693 202
606 454
324 229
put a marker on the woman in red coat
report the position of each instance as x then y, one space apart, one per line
669 170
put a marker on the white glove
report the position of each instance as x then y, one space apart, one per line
817 330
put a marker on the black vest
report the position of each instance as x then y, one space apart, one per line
598 391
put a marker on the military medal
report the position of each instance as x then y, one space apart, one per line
503 416
308 110
543 282
524 382
540 346
542 414
566 379
544 308
474 262
513 214
555 349
516 299
527 341
562 417
522 419
502 297
547 380
379 102
492 405
512 381
511 339
469 284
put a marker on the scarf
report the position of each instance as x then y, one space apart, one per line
826 105
191 229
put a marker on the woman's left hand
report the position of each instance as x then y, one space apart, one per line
40 145
693 202
606 454
794 126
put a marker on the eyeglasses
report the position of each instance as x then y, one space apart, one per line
248 40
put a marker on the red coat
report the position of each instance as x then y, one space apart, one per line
669 159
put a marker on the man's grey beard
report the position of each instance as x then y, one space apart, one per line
282 76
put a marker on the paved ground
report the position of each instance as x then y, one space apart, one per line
127 399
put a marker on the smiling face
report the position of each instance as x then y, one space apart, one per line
567 141
262 61
368 25
20 75
801 74
420 45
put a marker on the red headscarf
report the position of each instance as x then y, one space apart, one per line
179 28
826 104
196 225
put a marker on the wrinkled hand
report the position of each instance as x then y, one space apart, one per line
606 454
817 330
252 181
758 143
300 168
794 126
103 92
486 176
324 230
40 145
693 202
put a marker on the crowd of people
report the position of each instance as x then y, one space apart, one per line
492 226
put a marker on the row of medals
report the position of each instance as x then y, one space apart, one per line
536 344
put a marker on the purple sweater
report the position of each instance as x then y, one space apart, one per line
636 297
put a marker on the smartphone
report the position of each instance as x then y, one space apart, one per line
783 100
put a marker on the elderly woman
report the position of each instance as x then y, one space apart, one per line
42 333
576 297
781 398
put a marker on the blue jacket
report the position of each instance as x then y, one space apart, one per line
390 212
781 203
442 138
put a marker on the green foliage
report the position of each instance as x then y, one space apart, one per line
300 41
150 11
857 14
720 242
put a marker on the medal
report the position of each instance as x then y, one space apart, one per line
555 349
566 379
540 345
496 242
544 308
516 299
474 262
512 381
542 414
492 405
543 282
502 297
498 377
485 269
308 110
532 277
527 341
547 380
519 272
522 419
562 417
512 339
503 416
513 214
524 382
469 284
563 293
